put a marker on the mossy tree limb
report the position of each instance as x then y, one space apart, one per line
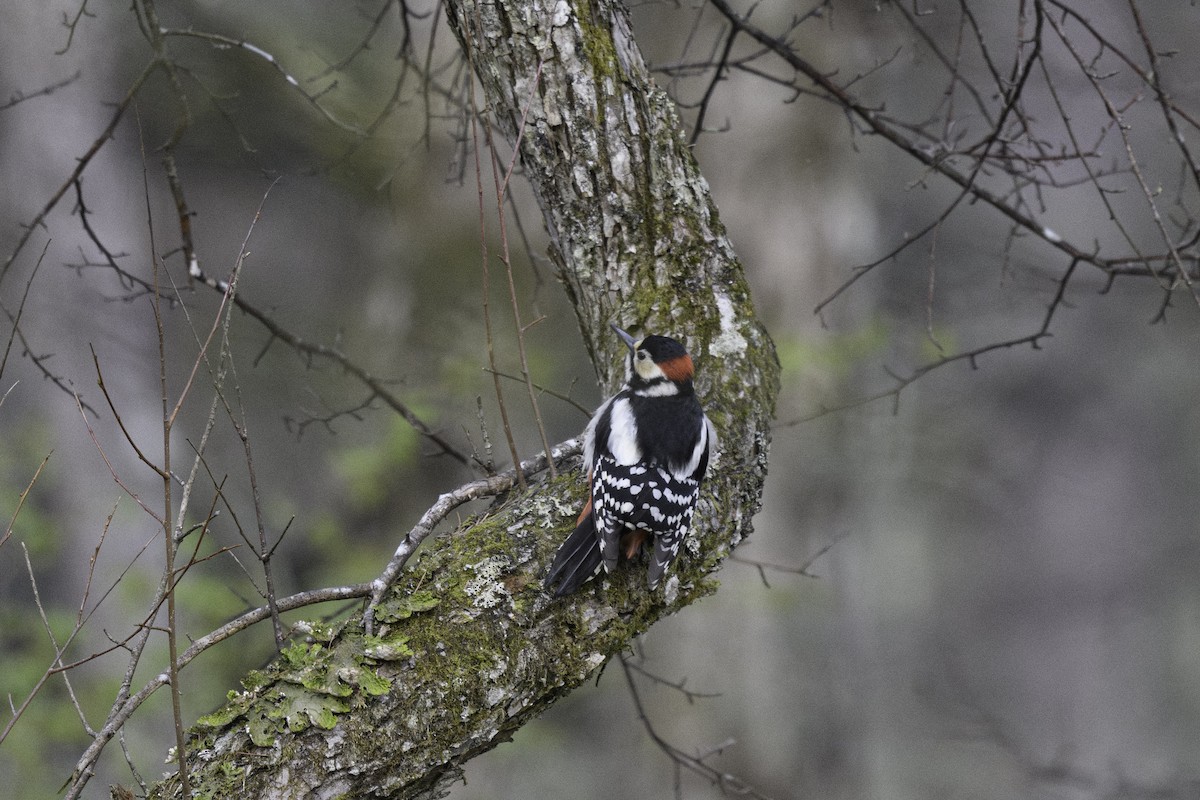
468 646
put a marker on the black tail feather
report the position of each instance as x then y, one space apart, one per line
577 559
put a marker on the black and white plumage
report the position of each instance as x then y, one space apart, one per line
646 450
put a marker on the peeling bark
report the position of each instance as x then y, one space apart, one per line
469 647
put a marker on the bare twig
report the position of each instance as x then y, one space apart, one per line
18 333
939 162
486 282
21 498
16 98
56 663
801 569
239 420
121 422
718 74
376 385
167 584
222 41
111 469
37 600
680 685
730 785
81 164
901 382
71 23
240 424
16 318
501 193
555 394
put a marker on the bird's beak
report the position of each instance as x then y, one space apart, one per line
629 341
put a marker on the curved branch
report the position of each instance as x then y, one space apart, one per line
466 646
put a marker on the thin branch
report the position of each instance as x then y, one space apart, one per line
16 318
121 422
557 395
501 193
18 97
365 43
718 75
111 469
680 685
222 320
968 185
730 785
22 497
57 662
80 165
876 122
72 23
167 584
222 41
309 349
763 566
902 382
18 333
299 426
486 279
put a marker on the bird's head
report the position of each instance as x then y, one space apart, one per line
657 365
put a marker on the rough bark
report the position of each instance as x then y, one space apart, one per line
469 647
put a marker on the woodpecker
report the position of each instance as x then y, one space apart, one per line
646 450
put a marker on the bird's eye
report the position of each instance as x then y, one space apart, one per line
642 355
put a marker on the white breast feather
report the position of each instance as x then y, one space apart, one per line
622 439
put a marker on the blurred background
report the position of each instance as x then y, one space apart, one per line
1000 599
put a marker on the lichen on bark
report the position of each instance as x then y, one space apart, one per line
469 647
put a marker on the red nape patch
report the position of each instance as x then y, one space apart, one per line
678 369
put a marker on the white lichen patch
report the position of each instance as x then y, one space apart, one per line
671 590
729 342
316 631
485 590
495 696
498 669
548 511
596 618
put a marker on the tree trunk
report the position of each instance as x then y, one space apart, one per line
469 647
